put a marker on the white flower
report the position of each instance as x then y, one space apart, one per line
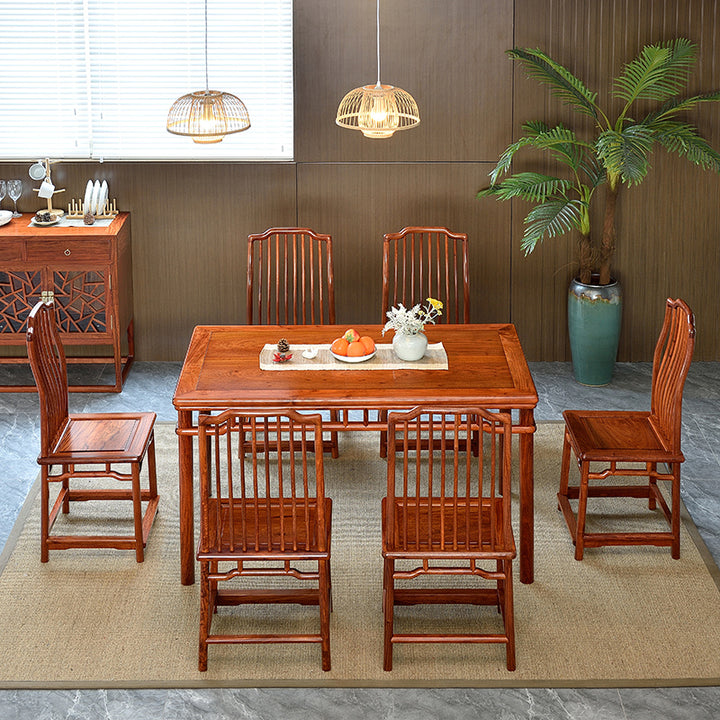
412 321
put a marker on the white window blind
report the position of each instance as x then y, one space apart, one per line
94 79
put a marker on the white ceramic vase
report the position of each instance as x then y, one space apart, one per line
409 347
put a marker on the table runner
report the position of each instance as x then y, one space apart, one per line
385 359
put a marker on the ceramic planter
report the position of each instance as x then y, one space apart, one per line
594 315
409 347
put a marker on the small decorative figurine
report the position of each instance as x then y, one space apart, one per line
283 353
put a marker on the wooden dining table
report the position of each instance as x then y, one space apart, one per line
486 366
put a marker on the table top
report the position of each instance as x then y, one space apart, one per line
486 365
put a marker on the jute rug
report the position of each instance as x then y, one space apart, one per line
622 616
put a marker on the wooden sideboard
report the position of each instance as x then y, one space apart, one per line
88 270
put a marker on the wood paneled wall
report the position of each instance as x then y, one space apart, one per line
190 221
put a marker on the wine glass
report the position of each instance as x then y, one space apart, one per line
3 191
14 189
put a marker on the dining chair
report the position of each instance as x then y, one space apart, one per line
447 513
633 444
290 278
290 281
422 262
86 447
263 514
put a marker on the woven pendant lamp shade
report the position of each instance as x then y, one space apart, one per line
378 110
207 116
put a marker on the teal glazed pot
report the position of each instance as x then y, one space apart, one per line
594 316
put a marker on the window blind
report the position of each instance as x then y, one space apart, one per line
94 79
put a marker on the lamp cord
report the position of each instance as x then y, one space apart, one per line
377 25
207 82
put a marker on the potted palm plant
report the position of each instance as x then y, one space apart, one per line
615 153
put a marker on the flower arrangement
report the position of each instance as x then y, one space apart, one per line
412 321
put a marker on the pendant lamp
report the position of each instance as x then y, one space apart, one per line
378 110
207 115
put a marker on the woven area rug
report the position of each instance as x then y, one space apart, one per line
96 618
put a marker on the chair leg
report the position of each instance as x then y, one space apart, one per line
582 511
325 602
66 490
205 618
382 417
388 610
137 513
152 466
675 511
45 515
509 615
565 468
334 435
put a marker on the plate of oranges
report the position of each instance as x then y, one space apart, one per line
352 348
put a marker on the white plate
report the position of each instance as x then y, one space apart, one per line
5 216
347 359
88 197
103 198
95 197
40 223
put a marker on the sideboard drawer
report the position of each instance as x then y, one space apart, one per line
58 250
11 251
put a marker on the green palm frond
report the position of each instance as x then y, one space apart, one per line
657 73
684 139
593 169
551 219
561 141
626 154
563 84
533 187
675 105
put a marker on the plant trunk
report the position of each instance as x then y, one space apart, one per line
607 245
585 259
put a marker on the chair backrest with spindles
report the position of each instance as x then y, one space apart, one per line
290 278
262 488
671 363
422 262
47 360
449 481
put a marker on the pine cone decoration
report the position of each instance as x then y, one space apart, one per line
89 218
283 346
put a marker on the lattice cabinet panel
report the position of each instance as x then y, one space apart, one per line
81 300
88 271
19 291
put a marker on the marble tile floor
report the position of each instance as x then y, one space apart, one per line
150 386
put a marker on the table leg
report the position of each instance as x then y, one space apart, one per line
187 530
527 498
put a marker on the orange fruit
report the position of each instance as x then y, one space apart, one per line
369 344
351 335
340 346
356 349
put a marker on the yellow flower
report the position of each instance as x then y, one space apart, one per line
437 304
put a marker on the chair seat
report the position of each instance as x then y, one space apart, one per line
102 438
607 436
430 529
281 530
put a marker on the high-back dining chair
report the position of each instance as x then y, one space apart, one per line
619 440
290 278
447 512
290 281
262 510
422 262
87 446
